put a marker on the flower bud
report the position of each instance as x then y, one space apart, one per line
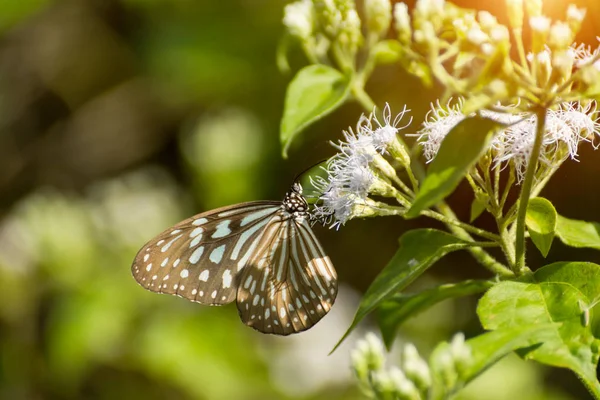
403 388
461 352
379 16
575 17
298 18
540 26
533 8
560 37
402 22
515 13
415 368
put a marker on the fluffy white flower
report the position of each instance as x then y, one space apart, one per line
566 127
356 170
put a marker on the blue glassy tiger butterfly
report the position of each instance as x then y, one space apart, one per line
262 254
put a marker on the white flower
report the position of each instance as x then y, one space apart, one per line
438 122
584 54
357 170
566 127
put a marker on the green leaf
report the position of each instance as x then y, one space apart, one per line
577 233
479 205
315 91
553 294
541 223
486 350
459 151
400 307
419 249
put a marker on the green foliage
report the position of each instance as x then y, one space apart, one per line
419 250
459 151
393 312
577 233
551 295
315 91
541 223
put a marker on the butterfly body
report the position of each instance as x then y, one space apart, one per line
261 254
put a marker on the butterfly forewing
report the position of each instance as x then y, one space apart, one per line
200 258
261 254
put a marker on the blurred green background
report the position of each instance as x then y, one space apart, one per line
119 118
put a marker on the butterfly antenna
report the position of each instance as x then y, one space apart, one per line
308 169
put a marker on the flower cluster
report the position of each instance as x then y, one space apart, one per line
413 378
360 169
566 127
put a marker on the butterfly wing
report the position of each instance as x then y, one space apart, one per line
289 283
201 257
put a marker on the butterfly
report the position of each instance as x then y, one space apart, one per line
261 254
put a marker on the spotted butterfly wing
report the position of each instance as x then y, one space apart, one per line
262 254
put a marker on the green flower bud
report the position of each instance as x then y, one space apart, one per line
416 368
379 16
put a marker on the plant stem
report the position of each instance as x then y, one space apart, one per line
526 191
363 98
469 228
483 257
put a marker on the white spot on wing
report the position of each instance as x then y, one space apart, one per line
199 221
227 278
222 229
184 273
217 254
204 275
195 257
196 232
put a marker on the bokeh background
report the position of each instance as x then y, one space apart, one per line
119 118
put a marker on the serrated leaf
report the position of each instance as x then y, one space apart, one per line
541 223
553 294
576 233
392 313
459 151
486 350
315 91
419 249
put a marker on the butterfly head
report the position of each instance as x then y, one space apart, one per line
294 203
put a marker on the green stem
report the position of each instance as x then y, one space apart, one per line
479 254
526 192
363 98
483 257
469 228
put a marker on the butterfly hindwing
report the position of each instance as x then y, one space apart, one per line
290 284
201 257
